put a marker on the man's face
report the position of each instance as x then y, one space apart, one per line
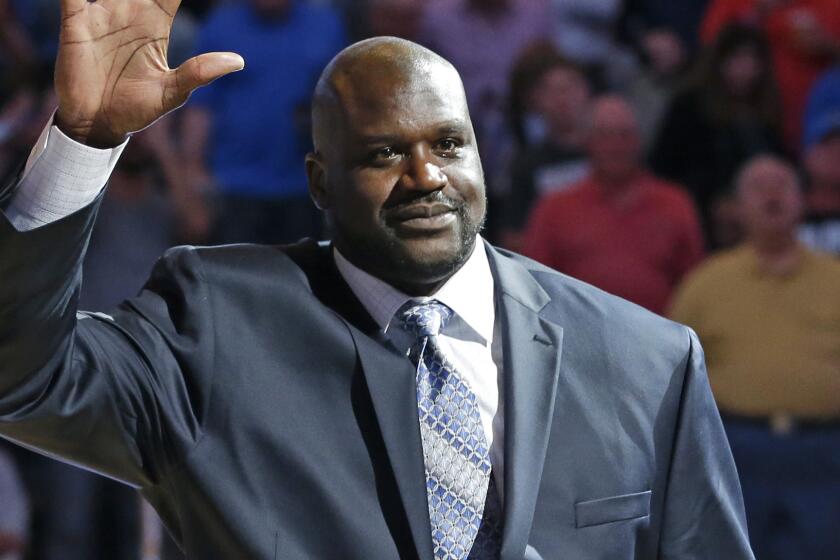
665 52
404 186
770 199
741 71
614 145
561 97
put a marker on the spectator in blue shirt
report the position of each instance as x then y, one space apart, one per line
247 136
820 228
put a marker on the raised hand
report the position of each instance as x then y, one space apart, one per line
111 74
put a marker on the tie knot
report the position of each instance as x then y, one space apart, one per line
425 318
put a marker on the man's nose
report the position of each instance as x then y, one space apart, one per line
422 173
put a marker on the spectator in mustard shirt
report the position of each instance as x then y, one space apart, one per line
768 314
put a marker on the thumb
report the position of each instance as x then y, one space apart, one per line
200 71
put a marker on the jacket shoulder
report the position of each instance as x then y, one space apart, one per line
249 263
592 315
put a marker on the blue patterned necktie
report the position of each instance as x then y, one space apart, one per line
464 506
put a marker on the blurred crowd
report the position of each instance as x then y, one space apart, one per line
684 155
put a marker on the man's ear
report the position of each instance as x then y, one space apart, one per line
316 174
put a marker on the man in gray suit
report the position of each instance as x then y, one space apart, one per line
405 391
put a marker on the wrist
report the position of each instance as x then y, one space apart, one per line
87 132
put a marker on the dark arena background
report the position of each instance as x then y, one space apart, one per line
681 154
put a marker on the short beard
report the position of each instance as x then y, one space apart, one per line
437 270
385 257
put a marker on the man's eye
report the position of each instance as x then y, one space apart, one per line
383 154
447 146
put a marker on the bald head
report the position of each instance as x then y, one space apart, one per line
613 143
769 197
396 166
766 171
372 73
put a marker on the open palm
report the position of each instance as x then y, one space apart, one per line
112 77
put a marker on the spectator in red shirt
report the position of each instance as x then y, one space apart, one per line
805 39
620 228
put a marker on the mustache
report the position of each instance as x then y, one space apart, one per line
434 197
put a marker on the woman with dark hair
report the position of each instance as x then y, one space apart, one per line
533 62
728 112
804 39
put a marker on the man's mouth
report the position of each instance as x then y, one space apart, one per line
423 217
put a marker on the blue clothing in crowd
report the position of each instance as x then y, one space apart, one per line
822 113
42 19
260 130
799 517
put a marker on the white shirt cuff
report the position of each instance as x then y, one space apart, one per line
61 176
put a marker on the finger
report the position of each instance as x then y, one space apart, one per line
203 69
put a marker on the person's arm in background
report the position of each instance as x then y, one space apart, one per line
195 132
196 120
114 383
189 199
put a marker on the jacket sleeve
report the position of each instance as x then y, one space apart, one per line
704 511
111 393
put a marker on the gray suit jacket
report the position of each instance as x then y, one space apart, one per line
251 399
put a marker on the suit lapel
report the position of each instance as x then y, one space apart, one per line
317 263
532 347
390 380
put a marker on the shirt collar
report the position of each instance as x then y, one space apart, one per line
469 292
